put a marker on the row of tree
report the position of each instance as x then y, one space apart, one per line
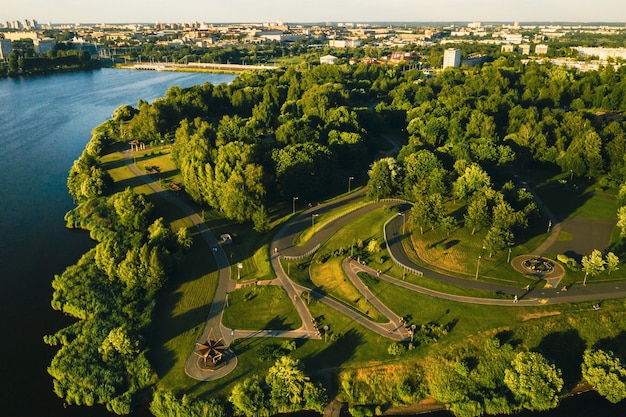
285 388
110 291
494 379
67 61
267 136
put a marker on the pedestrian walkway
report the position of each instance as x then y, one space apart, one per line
282 246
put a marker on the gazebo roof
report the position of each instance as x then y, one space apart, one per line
211 350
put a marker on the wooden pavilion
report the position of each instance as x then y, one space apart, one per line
211 351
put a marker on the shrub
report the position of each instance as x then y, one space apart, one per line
570 263
395 349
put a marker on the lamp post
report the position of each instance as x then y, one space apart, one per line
412 331
293 211
349 180
313 216
239 268
378 194
403 222
325 332
478 266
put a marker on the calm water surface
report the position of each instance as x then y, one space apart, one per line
44 124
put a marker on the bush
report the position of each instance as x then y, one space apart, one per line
396 349
360 411
570 263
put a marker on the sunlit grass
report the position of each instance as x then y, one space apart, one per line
260 307
180 316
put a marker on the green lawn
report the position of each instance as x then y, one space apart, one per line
182 308
580 198
260 308
179 319
326 272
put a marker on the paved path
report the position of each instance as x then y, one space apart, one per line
283 246
225 284
576 293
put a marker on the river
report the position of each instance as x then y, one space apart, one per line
45 123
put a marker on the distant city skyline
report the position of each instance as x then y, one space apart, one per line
312 11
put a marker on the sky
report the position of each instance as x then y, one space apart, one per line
312 11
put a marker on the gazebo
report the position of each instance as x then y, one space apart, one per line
211 351
136 145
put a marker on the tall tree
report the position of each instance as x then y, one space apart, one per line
534 382
606 373
593 264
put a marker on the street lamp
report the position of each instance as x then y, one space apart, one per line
239 268
412 331
478 266
313 216
349 180
403 222
294 205
325 332
378 193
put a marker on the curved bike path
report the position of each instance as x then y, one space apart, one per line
282 246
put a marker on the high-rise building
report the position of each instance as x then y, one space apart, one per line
451 58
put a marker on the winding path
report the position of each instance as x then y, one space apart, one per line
282 246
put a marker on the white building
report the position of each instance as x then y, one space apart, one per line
602 53
344 43
541 49
328 59
451 58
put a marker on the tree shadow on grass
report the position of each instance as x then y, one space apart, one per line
278 323
615 344
506 337
163 357
566 350
337 352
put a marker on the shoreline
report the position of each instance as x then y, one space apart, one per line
197 67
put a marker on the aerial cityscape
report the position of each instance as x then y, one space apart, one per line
325 208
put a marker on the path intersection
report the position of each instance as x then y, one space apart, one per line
394 329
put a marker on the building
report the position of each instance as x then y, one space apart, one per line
451 58
541 49
507 48
328 59
524 49
6 47
344 43
603 54
474 59
16 36
43 46
401 56
514 38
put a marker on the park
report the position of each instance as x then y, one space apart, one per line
407 272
